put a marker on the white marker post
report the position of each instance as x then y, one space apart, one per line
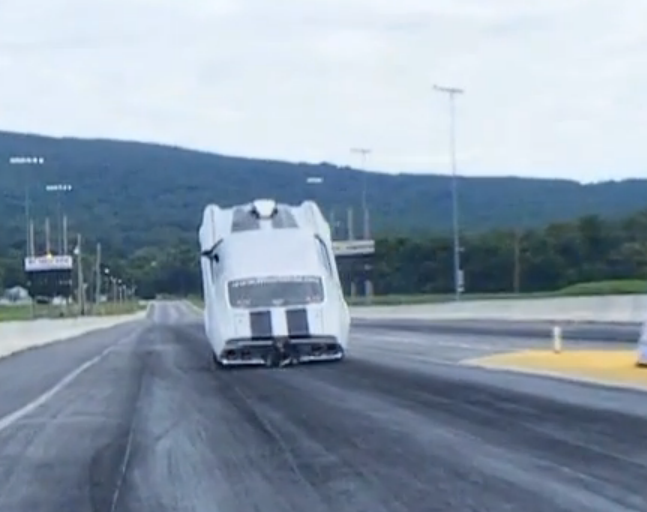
557 339
642 347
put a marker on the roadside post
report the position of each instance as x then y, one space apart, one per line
642 347
557 339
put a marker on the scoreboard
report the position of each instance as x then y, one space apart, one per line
49 276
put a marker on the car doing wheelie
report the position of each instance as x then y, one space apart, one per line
271 286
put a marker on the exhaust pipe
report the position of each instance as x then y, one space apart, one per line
280 355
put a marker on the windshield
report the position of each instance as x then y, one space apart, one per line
267 292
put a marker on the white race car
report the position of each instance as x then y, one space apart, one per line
271 286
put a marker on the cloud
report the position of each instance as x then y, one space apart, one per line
552 88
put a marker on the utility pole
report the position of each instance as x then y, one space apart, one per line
27 161
350 223
350 235
28 222
366 231
458 272
332 222
59 225
516 279
65 240
364 152
59 189
97 277
32 239
79 275
48 245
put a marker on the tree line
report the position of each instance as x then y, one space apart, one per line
590 248
538 260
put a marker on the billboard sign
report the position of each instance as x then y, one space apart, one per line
353 247
48 263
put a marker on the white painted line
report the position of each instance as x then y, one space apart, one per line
122 470
75 419
475 361
10 419
556 375
192 306
424 340
375 353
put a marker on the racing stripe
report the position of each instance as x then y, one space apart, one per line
279 323
298 325
260 325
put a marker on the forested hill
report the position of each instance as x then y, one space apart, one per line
135 194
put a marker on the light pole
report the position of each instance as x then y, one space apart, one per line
458 272
112 296
60 189
314 181
368 284
364 152
80 293
27 160
318 181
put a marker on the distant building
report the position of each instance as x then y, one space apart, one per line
17 294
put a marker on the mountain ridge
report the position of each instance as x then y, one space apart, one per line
132 194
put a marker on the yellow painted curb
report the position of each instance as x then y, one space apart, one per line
604 365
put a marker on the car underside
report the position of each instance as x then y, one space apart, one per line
280 351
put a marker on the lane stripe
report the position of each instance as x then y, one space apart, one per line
401 340
10 419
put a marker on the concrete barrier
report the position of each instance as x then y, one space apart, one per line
16 336
611 308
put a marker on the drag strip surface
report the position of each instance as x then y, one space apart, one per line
152 426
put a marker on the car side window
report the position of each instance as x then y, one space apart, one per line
216 265
323 250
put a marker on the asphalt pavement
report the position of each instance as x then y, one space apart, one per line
137 419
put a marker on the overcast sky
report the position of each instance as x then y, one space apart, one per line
552 87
